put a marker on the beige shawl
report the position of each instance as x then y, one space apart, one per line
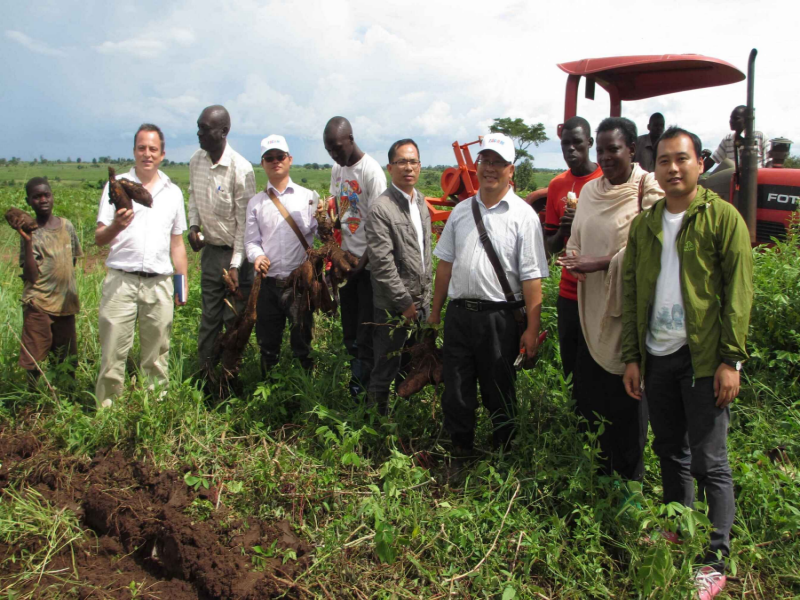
600 228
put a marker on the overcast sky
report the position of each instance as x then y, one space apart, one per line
79 77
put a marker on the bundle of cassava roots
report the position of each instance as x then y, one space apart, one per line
425 368
21 220
307 288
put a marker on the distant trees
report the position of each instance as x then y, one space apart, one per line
522 134
524 176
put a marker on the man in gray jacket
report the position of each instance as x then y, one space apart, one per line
399 247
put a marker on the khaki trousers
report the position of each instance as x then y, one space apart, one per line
126 298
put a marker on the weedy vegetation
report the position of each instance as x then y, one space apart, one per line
361 490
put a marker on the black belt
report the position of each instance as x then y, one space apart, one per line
276 281
144 274
479 305
226 248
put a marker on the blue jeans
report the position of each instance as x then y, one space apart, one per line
691 442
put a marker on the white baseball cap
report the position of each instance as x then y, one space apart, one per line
500 143
274 142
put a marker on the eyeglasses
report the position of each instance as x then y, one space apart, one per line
278 157
500 164
403 163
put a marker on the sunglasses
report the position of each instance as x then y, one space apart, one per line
278 157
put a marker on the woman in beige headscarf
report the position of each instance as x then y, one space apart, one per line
594 255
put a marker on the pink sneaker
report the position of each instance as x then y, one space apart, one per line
709 583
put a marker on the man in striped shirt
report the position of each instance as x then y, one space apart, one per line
221 182
732 143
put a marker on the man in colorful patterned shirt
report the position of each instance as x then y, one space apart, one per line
357 180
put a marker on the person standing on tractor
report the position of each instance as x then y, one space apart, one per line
357 180
562 198
399 248
731 144
594 255
688 290
482 334
646 144
221 182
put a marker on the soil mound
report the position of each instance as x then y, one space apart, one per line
148 532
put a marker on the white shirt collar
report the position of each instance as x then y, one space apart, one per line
224 160
289 188
163 180
406 196
503 199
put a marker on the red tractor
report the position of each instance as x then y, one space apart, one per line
766 197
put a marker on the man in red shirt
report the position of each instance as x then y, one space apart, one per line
562 197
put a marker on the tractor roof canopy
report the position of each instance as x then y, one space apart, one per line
639 77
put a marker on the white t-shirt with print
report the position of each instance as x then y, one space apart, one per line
355 189
667 331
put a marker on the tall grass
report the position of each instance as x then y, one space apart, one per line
536 523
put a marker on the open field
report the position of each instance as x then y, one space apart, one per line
293 491
82 175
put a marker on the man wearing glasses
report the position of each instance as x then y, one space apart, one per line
275 251
221 181
356 181
481 336
399 249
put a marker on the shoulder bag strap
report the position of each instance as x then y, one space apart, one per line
493 258
285 214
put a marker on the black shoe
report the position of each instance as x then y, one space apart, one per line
457 467
379 400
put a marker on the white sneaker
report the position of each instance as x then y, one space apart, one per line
107 403
709 583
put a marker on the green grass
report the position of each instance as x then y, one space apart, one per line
539 523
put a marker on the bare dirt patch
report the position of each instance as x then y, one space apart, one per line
143 533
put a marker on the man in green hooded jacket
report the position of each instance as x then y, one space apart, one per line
688 290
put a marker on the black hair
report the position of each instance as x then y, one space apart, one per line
150 127
397 144
336 126
626 126
675 131
578 123
33 182
656 115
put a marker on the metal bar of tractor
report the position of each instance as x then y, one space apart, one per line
748 186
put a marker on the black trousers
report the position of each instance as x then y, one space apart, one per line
213 259
691 436
391 363
357 309
598 391
479 348
270 323
569 332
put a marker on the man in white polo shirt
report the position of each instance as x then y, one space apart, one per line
145 243
481 335
276 251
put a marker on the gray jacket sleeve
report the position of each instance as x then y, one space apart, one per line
380 249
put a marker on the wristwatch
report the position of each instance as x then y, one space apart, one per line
736 364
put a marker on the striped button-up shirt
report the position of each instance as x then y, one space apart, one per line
726 146
218 196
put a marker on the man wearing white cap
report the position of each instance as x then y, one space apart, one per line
275 251
481 334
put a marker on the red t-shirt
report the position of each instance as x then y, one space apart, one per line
556 205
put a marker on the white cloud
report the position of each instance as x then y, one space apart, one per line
33 45
150 45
